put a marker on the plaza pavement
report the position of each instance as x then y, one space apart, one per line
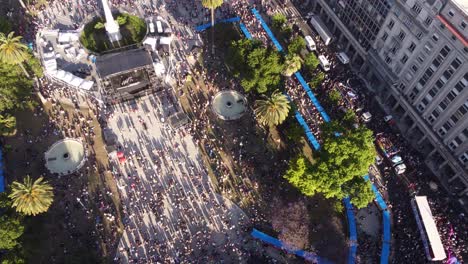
172 208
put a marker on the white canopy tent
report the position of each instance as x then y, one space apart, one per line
64 37
165 40
86 85
151 42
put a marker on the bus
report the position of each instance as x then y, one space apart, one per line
321 29
427 227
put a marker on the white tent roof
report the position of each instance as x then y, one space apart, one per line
67 36
159 68
68 77
165 40
76 81
50 65
48 55
151 42
60 74
86 85
50 32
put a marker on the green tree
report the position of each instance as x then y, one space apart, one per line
291 65
212 5
278 21
121 20
99 25
349 118
340 166
335 96
294 131
296 45
360 192
7 125
311 62
259 68
317 80
31 198
11 229
12 51
14 256
273 110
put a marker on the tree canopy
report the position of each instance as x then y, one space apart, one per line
15 93
311 62
212 3
341 164
259 68
292 64
31 198
273 110
11 229
296 45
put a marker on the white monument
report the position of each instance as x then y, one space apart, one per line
112 27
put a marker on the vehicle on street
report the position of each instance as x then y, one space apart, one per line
390 152
324 62
343 57
430 236
321 29
310 43
366 117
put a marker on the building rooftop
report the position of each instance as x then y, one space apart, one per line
110 64
462 4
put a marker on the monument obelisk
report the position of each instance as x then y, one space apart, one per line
112 28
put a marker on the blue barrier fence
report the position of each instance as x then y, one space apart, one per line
291 250
267 30
245 31
386 237
312 97
310 136
352 231
208 25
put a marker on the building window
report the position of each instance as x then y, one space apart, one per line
404 59
416 8
441 132
384 36
414 68
402 35
463 25
464 157
453 145
421 107
428 21
450 13
419 35
445 51
431 119
456 63
412 47
420 59
388 60
391 24
435 37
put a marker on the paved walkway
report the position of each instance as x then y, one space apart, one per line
172 207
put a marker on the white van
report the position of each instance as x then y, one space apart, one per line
310 43
343 57
324 62
159 26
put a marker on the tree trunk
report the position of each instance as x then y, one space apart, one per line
212 32
24 70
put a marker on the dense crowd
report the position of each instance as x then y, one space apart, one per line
144 197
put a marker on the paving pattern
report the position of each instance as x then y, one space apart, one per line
173 212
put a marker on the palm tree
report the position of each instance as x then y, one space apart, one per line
291 65
12 51
212 4
273 110
31 198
